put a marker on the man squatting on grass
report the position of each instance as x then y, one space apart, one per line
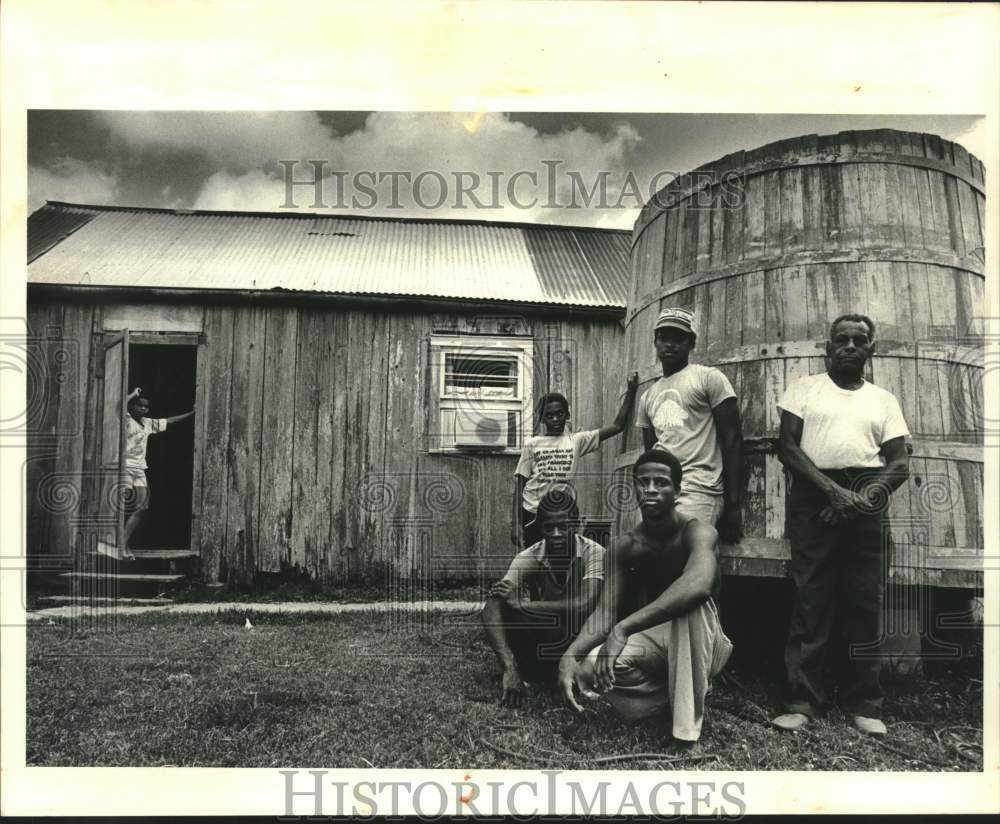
655 639
139 428
692 412
550 459
835 429
537 608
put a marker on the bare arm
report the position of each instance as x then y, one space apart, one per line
843 502
895 472
791 455
492 618
624 413
730 433
582 601
692 587
603 617
648 438
516 538
496 636
179 418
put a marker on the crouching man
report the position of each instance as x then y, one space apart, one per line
654 640
537 608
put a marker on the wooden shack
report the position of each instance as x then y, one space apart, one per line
361 385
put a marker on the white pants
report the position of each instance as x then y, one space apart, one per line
697 504
669 664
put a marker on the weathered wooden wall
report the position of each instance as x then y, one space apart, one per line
60 408
312 450
889 224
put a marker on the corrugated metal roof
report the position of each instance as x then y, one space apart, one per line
474 260
53 226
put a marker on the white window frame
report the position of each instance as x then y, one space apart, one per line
445 406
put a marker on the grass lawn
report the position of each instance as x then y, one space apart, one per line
363 690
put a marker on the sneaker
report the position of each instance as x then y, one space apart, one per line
790 721
869 726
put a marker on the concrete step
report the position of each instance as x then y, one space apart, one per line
111 551
163 554
124 576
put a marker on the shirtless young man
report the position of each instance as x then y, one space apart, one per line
654 639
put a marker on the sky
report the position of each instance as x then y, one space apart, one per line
538 167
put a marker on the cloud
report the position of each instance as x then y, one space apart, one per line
255 191
422 164
168 200
67 178
237 141
975 138
230 160
617 219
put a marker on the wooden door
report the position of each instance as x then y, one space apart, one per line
114 486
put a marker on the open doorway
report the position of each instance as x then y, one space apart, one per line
166 373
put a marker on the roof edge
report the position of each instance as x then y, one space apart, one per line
174 293
320 215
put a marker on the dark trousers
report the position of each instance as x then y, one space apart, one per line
538 642
839 573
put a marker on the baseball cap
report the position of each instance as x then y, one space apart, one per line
678 318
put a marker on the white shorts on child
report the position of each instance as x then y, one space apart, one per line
135 477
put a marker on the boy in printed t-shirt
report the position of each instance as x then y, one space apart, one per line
549 459
139 428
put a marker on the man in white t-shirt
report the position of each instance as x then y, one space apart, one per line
692 413
844 442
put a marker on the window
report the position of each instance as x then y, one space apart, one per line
480 375
482 390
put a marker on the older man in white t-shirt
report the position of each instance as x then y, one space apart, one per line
844 442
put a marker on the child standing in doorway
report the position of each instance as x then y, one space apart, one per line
550 459
139 428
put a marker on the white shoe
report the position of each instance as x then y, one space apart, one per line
869 726
790 721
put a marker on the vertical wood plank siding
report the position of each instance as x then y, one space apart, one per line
216 453
58 372
314 457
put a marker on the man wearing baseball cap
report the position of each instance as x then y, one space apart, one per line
692 412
